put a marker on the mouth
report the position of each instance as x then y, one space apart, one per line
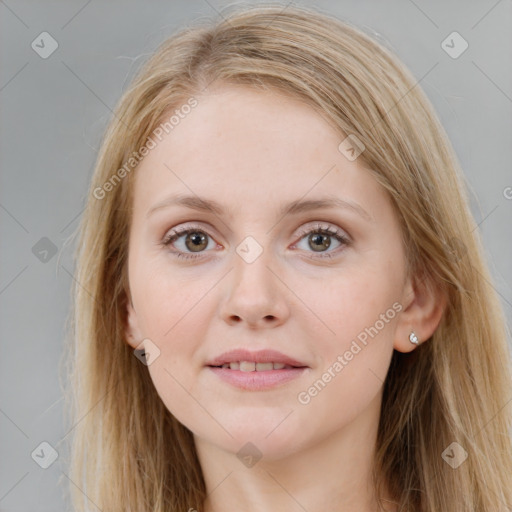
251 366
248 379
249 361
256 371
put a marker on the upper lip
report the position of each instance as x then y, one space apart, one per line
259 356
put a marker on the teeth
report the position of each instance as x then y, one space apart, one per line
261 367
248 366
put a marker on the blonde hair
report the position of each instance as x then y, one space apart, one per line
128 451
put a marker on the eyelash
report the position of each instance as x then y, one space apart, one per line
331 231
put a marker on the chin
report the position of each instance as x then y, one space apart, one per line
272 434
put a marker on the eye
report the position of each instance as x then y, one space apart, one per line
319 239
195 240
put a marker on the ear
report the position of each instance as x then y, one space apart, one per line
424 304
133 332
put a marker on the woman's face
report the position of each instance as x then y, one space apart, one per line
256 276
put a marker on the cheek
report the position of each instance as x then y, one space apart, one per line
172 313
357 312
353 362
174 318
167 298
347 303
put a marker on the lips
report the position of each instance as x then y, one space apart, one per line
255 361
249 366
262 370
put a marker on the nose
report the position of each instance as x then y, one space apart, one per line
255 294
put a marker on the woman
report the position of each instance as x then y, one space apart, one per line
282 301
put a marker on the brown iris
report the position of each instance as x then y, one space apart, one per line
196 241
324 241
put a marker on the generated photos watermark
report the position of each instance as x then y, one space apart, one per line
136 157
305 397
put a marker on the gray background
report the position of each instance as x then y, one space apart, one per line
54 111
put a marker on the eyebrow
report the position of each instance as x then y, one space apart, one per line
294 207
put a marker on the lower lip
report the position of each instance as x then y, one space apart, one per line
257 381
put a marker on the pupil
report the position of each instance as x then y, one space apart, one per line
196 240
323 240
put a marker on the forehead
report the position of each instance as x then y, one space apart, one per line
243 146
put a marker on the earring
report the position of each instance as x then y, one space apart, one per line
413 338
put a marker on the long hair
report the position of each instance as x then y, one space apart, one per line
128 452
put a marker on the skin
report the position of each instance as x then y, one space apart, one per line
253 152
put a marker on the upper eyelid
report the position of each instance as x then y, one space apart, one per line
181 230
340 234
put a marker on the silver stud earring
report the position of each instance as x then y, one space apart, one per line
413 338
